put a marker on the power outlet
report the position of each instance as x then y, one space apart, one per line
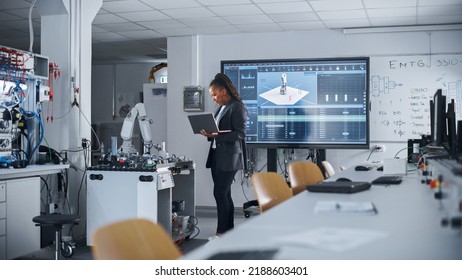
380 148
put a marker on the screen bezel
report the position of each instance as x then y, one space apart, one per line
365 145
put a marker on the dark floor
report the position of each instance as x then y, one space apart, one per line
206 228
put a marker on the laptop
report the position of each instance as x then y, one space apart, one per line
206 122
388 180
339 187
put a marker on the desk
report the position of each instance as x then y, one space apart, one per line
408 216
19 203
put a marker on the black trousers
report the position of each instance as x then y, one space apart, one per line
222 181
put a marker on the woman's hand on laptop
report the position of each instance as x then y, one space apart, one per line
210 135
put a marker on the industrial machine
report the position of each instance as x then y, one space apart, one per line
138 112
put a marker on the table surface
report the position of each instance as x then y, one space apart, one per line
31 170
407 225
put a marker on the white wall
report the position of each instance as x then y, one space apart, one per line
195 60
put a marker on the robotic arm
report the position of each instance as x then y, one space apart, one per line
137 112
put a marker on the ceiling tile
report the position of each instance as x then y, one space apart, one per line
7 17
299 26
96 29
336 5
226 29
438 2
273 1
125 6
108 36
440 11
390 12
24 13
162 24
291 17
188 13
393 21
17 4
177 31
438 19
278 8
171 4
196 22
347 23
238 20
126 26
236 10
144 16
108 18
336 15
141 34
261 27
374 4
224 2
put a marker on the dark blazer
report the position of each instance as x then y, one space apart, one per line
230 146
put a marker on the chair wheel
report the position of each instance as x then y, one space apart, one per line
67 249
247 214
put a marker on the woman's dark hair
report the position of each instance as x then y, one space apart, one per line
222 81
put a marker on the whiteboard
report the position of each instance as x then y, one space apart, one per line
400 91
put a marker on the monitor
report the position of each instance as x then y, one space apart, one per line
438 118
313 103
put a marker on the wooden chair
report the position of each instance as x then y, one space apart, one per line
302 174
328 168
135 239
271 189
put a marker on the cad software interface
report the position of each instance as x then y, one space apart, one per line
303 102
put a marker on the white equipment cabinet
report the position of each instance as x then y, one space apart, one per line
19 203
118 195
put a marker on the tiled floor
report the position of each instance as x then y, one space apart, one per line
206 224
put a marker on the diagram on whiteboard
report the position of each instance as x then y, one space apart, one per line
401 89
382 85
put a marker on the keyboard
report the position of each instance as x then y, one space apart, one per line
388 180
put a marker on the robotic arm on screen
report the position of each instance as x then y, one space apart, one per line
137 112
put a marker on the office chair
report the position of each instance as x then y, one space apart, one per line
58 220
328 168
302 174
134 239
271 189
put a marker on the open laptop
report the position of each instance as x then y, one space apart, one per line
339 187
206 122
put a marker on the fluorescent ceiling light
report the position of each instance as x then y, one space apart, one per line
407 28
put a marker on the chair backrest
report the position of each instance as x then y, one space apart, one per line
271 189
135 239
330 171
302 174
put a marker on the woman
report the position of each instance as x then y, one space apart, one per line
227 149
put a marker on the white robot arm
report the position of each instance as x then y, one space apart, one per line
137 112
